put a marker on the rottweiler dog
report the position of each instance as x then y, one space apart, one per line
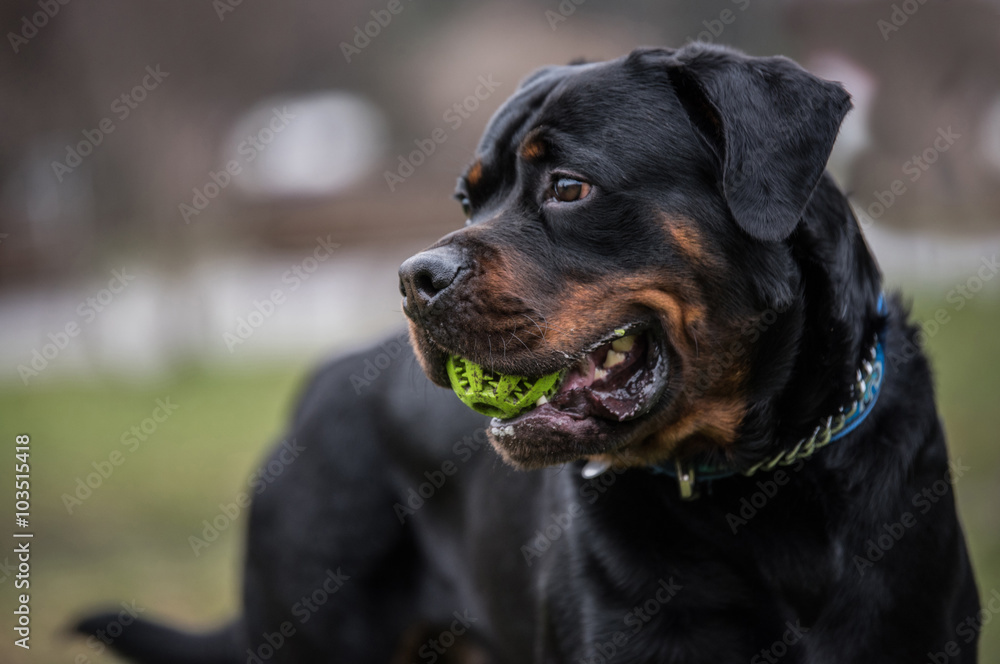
742 460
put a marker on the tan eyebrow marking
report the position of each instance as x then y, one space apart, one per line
475 173
532 146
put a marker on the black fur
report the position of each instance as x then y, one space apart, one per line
549 567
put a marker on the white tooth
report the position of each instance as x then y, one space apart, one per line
541 401
600 374
594 468
624 344
495 431
509 430
613 358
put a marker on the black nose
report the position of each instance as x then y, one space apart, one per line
423 278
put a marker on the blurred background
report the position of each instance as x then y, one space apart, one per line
200 201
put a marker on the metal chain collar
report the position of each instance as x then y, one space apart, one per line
866 389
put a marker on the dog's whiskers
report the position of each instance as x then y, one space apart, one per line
541 332
514 336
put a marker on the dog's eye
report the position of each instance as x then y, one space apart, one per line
567 190
466 206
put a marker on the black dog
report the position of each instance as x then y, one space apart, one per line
743 461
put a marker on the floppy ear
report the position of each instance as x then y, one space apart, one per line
772 125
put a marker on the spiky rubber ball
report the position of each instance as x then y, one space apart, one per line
498 395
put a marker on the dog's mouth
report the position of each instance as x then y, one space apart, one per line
615 380
604 392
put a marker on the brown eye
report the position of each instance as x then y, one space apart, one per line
567 190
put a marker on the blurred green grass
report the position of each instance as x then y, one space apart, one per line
129 539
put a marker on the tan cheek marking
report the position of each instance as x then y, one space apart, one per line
710 407
689 241
586 310
717 419
710 424
681 320
498 288
708 410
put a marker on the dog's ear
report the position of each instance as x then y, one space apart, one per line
772 125
551 72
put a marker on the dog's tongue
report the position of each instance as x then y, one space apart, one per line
612 382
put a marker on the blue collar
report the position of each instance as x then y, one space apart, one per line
866 389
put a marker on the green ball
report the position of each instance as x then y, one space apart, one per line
494 394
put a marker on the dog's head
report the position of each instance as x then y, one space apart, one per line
629 223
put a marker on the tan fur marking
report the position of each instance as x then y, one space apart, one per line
532 149
532 146
708 410
475 174
688 239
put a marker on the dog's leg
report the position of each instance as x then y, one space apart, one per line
331 574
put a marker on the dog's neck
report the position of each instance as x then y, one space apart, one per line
825 335
841 288
826 341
